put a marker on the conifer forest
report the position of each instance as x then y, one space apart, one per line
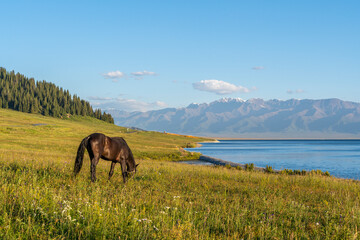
24 94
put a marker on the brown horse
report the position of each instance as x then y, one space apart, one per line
113 149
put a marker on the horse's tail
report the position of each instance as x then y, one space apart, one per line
80 155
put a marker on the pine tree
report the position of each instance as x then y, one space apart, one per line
20 93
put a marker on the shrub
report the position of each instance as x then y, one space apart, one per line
228 166
287 171
249 167
238 168
316 172
269 169
190 145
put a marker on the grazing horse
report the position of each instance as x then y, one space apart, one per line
113 149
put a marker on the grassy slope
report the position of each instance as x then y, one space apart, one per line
61 137
40 199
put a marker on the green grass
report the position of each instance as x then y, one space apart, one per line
40 199
30 133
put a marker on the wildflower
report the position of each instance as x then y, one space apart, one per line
317 224
167 207
80 214
162 212
146 220
176 197
142 220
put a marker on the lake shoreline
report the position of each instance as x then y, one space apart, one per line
207 160
338 157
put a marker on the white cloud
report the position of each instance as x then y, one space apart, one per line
160 104
219 87
100 98
258 68
143 73
129 105
113 75
295 91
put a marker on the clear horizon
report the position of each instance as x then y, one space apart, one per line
138 56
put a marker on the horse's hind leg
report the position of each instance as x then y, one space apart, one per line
112 169
94 162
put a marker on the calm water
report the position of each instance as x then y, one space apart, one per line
340 157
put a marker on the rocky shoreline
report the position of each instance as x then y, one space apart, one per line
218 161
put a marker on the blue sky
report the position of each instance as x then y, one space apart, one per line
143 55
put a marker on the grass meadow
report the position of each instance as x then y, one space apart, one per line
40 198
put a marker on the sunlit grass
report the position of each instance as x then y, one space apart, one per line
35 133
40 198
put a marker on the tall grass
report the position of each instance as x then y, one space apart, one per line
40 198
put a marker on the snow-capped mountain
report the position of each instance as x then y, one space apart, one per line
254 118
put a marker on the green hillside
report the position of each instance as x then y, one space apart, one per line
32 134
40 199
24 94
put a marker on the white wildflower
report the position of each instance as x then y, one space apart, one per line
146 220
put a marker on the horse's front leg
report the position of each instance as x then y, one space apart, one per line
112 169
94 162
123 170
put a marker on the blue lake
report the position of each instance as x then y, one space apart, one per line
340 157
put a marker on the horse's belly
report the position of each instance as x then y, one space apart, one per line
107 156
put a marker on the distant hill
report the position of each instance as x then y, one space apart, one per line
23 94
254 118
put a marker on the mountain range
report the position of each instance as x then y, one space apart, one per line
254 118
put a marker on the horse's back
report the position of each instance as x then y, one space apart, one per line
110 148
119 140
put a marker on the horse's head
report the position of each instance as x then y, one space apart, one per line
132 169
